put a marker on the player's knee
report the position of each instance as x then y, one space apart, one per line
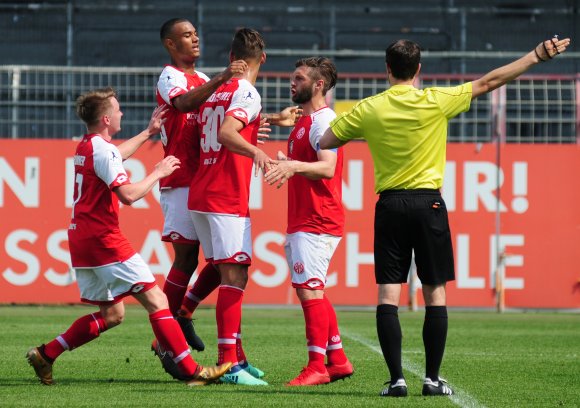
114 319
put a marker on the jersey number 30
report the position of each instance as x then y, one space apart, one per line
212 119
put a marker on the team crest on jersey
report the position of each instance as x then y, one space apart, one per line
240 114
299 267
300 133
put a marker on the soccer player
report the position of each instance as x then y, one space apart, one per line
229 122
406 130
106 265
315 218
182 89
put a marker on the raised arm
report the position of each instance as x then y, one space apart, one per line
193 99
543 52
129 193
287 117
130 146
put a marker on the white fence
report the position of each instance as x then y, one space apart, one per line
38 102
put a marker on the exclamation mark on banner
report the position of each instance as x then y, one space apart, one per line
520 185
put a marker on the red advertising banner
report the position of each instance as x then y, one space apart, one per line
538 225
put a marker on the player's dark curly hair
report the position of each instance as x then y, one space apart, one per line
248 44
92 105
403 57
323 68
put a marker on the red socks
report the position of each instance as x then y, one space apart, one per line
169 335
334 350
82 331
229 317
316 319
207 281
175 288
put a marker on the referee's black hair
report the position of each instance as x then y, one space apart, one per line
403 57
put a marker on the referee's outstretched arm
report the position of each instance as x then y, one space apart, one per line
544 51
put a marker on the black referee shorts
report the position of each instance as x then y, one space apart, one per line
407 220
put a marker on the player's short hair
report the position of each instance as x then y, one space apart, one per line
322 68
403 57
93 105
248 44
167 27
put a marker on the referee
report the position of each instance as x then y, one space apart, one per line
406 130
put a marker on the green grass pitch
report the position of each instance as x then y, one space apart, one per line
509 360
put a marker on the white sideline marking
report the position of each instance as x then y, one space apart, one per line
460 398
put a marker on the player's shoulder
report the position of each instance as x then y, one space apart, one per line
323 116
203 76
247 91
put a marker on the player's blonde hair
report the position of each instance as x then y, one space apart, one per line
93 105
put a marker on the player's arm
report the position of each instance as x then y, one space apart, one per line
329 140
322 169
230 137
129 193
128 147
287 117
543 52
193 99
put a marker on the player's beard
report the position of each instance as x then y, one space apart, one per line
303 95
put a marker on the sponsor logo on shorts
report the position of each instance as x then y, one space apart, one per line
335 339
174 236
299 267
241 257
137 288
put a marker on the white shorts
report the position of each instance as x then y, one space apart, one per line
178 226
111 283
308 256
224 238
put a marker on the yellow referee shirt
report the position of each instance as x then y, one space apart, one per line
406 129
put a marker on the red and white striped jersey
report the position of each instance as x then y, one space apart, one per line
222 182
179 132
94 235
314 205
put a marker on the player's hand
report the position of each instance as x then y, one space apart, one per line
157 120
261 162
264 130
281 172
167 166
289 116
548 49
237 67
281 156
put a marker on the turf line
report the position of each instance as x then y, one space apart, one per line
460 398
